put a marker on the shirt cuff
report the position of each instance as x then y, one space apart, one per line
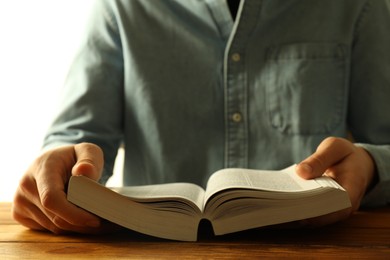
379 195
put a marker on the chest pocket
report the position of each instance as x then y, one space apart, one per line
306 91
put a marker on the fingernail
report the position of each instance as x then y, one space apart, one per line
307 168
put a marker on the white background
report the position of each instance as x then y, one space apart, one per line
38 39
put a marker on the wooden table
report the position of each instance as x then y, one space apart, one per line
364 235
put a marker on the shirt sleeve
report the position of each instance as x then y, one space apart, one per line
369 107
91 104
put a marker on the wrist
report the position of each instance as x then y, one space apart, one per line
372 173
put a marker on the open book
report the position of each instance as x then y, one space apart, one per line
234 200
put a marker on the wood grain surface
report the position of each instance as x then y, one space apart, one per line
366 235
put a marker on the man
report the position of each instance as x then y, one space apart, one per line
188 89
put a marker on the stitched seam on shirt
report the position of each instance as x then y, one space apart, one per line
230 43
361 18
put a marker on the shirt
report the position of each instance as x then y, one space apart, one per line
187 90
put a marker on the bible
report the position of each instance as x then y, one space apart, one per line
234 200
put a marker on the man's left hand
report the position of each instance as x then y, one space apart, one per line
350 165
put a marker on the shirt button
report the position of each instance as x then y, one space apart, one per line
237 117
236 57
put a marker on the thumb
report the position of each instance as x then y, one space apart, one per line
330 151
89 161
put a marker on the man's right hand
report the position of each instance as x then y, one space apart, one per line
40 201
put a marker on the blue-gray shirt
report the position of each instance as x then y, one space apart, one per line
187 90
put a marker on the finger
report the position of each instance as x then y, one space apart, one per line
60 210
331 151
89 162
27 198
105 227
31 216
51 179
35 218
349 177
22 215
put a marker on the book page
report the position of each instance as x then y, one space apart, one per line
164 192
166 211
281 181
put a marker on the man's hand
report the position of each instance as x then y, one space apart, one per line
40 201
351 166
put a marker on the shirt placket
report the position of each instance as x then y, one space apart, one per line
236 87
